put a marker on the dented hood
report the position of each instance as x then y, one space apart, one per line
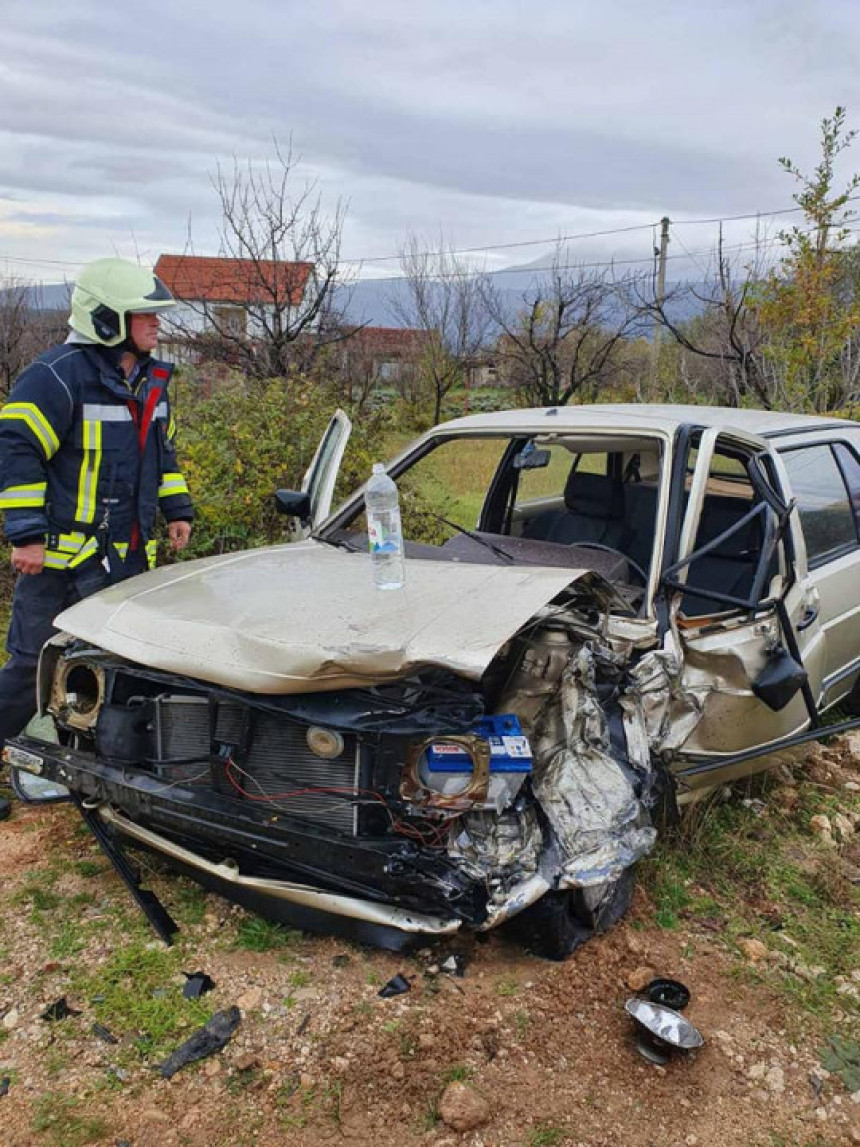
305 617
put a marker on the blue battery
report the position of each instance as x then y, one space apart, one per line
510 751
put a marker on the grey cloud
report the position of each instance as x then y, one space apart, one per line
488 117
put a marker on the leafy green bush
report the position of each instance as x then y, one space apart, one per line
244 441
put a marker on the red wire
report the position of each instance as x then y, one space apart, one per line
408 830
230 763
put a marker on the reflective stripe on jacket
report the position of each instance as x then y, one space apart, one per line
85 460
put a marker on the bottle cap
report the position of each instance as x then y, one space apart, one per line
378 468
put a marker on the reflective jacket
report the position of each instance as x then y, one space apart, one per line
87 458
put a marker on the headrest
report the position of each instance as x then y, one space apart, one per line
593 495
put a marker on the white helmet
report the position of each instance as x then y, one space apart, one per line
108 290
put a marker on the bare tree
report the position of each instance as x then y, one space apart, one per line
725 333
568 334
443 298
25 329
283 295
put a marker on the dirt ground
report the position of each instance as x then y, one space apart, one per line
543 1051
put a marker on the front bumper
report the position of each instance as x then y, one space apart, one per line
279 866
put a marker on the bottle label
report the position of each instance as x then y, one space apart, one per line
383 532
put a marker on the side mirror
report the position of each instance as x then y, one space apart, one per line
293 503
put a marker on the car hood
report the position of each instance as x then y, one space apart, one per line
306 617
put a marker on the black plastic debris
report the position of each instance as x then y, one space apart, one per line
303 1026
212 1037
197 984
670 993
455 965
397 986
5 1083
104 1033
340 960
59 1010
660 1030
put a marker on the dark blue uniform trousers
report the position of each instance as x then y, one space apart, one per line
37 600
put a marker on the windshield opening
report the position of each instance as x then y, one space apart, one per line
553 500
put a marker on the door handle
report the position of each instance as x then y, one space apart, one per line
808 617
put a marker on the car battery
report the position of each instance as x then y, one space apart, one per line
447 768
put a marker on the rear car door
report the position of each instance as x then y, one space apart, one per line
824 478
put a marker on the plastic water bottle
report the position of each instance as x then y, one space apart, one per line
384 535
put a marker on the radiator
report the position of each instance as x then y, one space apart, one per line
278 762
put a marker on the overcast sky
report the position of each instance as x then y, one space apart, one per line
496 121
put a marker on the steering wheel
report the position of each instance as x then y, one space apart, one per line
637 569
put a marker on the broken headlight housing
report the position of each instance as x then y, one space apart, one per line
77 692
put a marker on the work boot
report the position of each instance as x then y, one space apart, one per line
5 808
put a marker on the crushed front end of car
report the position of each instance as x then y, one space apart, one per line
380 790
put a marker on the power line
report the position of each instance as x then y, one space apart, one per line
485 249
605 263
520 243
591 234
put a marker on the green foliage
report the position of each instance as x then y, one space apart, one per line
739 868
808 319
136 990
59 1118
245 440
259 935
842 1058
546 1135
458 1073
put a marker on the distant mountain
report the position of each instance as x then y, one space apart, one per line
372 301
45 297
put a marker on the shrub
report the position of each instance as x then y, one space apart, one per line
241 443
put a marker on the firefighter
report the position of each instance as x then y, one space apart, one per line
86 461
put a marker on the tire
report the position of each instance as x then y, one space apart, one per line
560 921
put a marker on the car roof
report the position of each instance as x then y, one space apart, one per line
641 418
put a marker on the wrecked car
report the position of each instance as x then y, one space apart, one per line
606 609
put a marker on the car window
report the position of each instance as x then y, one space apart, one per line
849 464
550 481
730 566
450 482
826 517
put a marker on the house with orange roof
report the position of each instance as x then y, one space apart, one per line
226 299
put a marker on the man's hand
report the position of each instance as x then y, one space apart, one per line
179 534
29 559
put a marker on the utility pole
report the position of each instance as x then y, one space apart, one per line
659 298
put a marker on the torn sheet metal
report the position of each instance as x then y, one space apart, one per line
496 845
505 851
600 823
307 617
671 709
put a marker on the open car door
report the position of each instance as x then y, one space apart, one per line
744 615
321 476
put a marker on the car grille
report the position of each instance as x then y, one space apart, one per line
278 762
